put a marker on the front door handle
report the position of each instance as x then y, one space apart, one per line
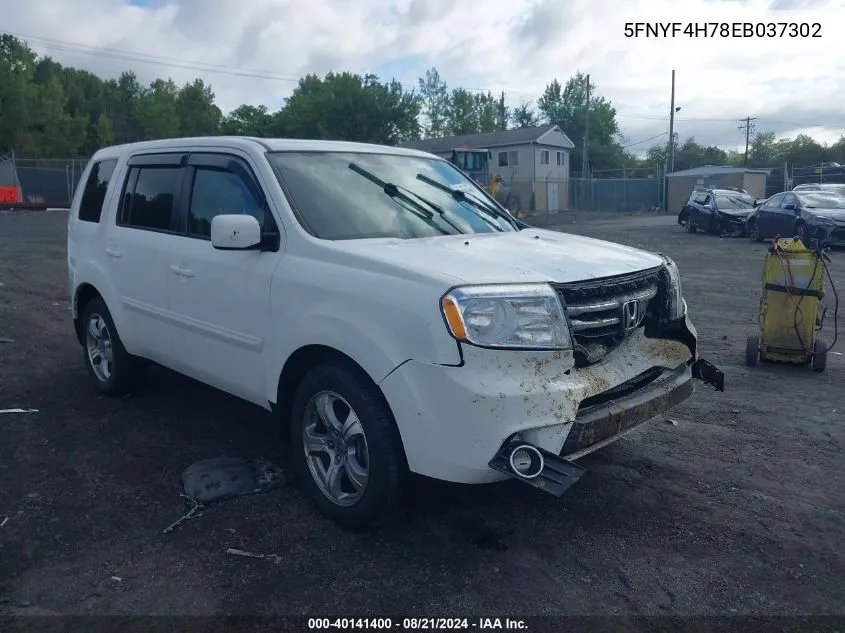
113 252
182 272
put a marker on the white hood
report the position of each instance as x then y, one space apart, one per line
531 255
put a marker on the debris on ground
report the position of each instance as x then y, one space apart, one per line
672 422
18 410
239 552
196 506
221 478
5 521
3 339
117 578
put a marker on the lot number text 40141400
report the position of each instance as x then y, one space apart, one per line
417 624
723 29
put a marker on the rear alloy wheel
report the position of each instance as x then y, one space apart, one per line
346 447
114 370
801 233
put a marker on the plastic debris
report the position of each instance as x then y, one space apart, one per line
18 410
239 552
5 521
223 478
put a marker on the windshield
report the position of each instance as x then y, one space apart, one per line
334 202
822 200
838 189
739 201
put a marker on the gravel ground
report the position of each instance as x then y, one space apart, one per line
737 508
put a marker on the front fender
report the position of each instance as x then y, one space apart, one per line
378 349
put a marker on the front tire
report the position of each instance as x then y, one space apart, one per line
346 448
113 370
754 232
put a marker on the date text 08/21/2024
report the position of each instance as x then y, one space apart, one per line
416 624
724 29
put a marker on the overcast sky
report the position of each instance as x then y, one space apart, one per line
252 51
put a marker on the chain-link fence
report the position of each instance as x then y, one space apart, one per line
48 182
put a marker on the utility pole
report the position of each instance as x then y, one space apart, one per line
503 119
749 128
586 131
671 165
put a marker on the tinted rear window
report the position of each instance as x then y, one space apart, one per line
149 205
91 206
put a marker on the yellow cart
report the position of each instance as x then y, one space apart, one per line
790 308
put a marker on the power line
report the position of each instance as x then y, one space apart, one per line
749 128
645 140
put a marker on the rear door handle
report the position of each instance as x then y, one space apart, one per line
113 252
182 272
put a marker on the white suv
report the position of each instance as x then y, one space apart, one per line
381 304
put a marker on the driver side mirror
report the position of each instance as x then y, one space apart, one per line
233 232
789 207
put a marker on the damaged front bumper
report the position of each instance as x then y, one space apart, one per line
732 225
454 419
609 415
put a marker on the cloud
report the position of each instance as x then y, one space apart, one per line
253 51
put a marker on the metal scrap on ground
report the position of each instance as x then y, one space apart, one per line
18 410
222 478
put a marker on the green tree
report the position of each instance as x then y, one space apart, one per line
197 112
248 120
17 70
487 112
104 131
523 115
434 96
350 107
158 110
463 112
566 106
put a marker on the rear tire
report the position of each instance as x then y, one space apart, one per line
819 355
754 232
752 349
356 474
113 370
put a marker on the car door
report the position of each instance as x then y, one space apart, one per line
138 249
766 215
220 299
695 208
786 214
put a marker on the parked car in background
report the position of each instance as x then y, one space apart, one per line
825 186
718 211
808 215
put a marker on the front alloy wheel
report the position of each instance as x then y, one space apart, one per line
335 448
346 449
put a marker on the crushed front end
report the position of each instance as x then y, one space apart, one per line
732 224
529 414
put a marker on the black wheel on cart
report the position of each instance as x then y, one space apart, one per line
752 349
819 354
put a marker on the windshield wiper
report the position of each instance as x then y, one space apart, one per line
395 191
461 196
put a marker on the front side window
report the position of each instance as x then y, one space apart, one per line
335 202
216 192
94 195
149 203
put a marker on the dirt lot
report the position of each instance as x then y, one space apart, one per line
738 508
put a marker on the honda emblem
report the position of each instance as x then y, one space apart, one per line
630 314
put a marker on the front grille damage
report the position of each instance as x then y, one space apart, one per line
603 312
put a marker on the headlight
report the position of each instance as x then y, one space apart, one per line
676 306
528 316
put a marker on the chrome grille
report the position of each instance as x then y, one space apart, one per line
603 312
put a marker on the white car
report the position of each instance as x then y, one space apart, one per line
380 304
